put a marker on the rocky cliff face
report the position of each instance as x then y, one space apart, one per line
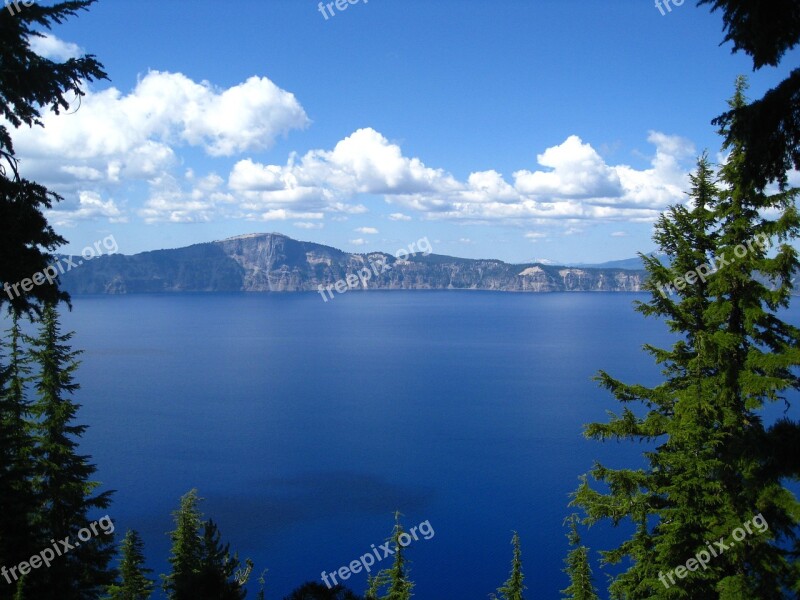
274 262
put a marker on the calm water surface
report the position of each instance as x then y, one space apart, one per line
306 424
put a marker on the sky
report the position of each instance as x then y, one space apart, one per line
519 130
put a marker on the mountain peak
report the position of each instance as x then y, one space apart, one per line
246 236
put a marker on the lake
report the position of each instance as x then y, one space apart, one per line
306 424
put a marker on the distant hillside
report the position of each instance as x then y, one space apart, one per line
277 263
632 264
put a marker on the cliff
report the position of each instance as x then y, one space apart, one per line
277 263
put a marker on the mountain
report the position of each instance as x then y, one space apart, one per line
632 264
274 262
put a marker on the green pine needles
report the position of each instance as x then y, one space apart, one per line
394 580
47 490
713 462
513 588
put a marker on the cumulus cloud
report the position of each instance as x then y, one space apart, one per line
134 142
366 230
51 47
363 163
136 132
188 199
572 183
118 140
577 171
90 206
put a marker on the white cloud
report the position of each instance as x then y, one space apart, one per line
118 143
283 215
307 225
573 185
350 209
591 190
185 200
578 171
134 136
366 230
358 242
90 206
619 234
363 163
165 110
49 46
535 236
125 141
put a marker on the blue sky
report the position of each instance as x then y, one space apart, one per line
518 130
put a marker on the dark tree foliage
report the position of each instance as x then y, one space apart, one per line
30 84
134 583
181 582
514 587
714 465
316 591
17 500
202 567
764 30
394 580
769 128
217 568
66 494
581 582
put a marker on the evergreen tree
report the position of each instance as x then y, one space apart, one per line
17 500
181 583
395 578
29 85
134 583
769 128
715 465
217 568
202 568
62 476
513 588
581 585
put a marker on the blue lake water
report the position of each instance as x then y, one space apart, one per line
306 424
